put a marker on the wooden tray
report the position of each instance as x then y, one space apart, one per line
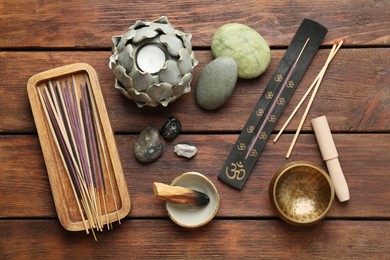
118 203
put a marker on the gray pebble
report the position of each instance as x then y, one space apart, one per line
148 147
216 83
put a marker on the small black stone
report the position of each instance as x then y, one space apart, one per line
148 147
171 128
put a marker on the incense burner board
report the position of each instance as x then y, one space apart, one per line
117 202
265 114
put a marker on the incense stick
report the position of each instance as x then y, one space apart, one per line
75 127
50 123
302 100
275 100
333 52
100 135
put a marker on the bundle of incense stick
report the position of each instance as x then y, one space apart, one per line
316 84
72 117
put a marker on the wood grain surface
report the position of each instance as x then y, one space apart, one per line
38 35
354 93
364 158
91 24
232 239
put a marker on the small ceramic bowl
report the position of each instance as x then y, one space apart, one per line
301 193
194 216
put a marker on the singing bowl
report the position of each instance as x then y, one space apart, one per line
190 216
301 193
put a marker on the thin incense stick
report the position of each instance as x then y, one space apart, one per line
72 117
50 123
100 135
331 55
301 101
79 174
275 100
69 151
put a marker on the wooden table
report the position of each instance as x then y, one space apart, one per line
355 96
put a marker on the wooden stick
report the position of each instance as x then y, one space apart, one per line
333 52
180 195
301 101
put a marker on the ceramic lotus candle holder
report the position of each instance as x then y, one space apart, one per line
152 63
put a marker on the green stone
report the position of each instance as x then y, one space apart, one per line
216 83
243 44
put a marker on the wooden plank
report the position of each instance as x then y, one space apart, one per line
252 239
365 159
353 97
84 24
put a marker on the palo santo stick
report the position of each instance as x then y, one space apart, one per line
180 195
322 73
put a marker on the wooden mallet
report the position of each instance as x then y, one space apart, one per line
330 156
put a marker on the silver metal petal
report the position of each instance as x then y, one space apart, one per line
141 80
115 40
120 74
160 93
144 33
112 60
125 58
165 28
170 73
139 24
185 61
141 98
185 38
184 85
129 35
162 19
172 43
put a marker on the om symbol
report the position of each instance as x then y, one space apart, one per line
237 172
281 101
263 135
241 147
253 153
278 78
269 95
260 112
272 118
250 129
290 84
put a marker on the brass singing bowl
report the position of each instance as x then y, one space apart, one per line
301 193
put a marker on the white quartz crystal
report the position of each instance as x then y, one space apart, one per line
185 150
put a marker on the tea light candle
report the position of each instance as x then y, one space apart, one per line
150 58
